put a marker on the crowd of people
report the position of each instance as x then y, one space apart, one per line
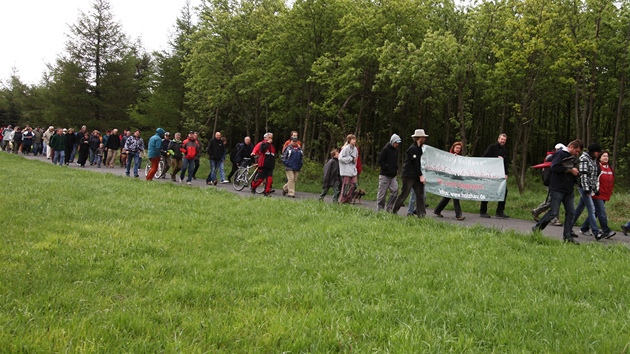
564 168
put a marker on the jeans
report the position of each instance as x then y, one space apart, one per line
386 183
93 157
412 202
222 170
214 166
36 148
60 156
600 212
137 160
73 153
585 201
187 165
556 198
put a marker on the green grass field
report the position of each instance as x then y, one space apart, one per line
99 263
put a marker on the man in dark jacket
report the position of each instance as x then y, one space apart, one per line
412 177
499 150
58 144
174 148
293 159
240 151
216 150
564 174
113 145
332 178
388 160
71 141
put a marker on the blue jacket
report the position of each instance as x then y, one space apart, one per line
155 143
292 158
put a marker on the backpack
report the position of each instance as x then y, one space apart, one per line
546 176
546 172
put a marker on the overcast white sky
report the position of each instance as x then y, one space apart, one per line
33 32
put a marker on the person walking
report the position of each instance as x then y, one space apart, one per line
113 145
71 142
240 151
587 188
546 172
174 149
498 150
46 141
37 140
606 183
331 178
134 146
216 151
266 153
348 168
7 134
456 149
564 173
155 152
84 149
189 150
293 159
58 146
388 161
412 177
167 154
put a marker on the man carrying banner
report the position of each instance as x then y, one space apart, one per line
497 150
412 177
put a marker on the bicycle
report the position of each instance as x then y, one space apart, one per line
160 171
244 176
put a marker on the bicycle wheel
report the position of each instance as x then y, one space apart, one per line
160 170
240 179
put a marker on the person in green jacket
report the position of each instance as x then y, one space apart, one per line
58 144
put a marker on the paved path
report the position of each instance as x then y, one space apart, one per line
522 226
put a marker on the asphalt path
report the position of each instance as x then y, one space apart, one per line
518 225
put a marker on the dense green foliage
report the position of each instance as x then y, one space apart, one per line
542 71
98 263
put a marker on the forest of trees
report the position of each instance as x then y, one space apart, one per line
542 71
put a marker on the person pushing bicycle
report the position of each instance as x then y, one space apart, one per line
266 153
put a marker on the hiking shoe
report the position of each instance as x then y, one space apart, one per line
189 183
439 215
571 240
609 234
284 192
502 216
485 215
253 190
586 233
556 222
535 215
574 235
460 217
625 230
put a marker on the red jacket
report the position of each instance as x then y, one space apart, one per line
606 183
189 149
267 149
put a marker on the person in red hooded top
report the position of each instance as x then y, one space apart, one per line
606 182
189 150
266 153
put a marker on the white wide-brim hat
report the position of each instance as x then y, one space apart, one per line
419 133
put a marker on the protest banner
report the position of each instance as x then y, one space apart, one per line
462 177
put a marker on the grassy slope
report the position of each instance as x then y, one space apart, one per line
95 262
